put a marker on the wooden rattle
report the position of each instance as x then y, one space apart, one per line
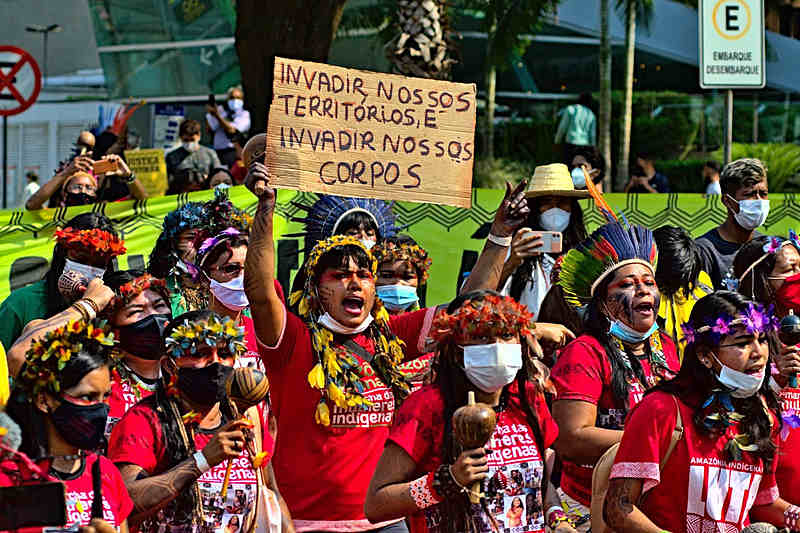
473 426
256 150
244 388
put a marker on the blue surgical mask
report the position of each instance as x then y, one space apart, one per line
397 297
578 178
235 104
629 335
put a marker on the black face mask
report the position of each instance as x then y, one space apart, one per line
82 426
203 386
143 338
78 198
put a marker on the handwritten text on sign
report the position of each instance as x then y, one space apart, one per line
356 133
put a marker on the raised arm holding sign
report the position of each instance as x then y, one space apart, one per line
355 133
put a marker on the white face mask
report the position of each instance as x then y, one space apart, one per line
752 213
554 219
191 146
230 294
335 326
88 271
75 278
578 179
742 385
235 104
368 243
490 367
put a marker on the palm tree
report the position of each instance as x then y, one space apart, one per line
421 46
643 9
604 121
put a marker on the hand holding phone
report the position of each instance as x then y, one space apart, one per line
551 240
105 165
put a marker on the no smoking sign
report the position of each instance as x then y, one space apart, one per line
20 80
731 44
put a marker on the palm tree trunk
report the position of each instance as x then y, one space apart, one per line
604 122
627 110
491 89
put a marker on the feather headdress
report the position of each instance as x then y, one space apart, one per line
324 216
608 248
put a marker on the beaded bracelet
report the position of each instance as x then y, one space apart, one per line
422 492
791 517
445 484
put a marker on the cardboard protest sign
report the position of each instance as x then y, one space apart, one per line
151 169
355 133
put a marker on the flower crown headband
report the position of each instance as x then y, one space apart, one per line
184 340
129 291
771 247
306 300
48 356
413 253
755 319
99 243
492 316
207 244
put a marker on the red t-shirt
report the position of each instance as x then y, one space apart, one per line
416 370
251 357
323 472
137 439
117 505
583 372
704 491
124 395
788 469
516 465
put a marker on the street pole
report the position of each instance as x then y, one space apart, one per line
44 80
5 161
728 125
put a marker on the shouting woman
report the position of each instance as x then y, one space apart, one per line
333 366
603 373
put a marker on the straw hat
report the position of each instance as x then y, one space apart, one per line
553 180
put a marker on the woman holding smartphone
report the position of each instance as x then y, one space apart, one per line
553 203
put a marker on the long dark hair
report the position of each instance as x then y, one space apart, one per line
33 422
755 285
597 324
695 381
454 385
679 260
176 448
574 234
55 302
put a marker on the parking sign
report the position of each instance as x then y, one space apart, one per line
732 44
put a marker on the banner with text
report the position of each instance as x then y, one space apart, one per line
372 135
452 236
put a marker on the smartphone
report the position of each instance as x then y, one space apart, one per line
104 165
41 505
551 241
212 99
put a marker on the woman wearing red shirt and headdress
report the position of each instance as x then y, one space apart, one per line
333 364
484 343
721 473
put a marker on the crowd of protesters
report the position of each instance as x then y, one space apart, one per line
635 379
